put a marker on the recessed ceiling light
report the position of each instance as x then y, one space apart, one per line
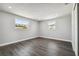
10 7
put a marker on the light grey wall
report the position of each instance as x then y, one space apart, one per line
63 28
8 32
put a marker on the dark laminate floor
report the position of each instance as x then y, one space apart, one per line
38 47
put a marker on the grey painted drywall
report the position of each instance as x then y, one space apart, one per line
8 32
75 29
63 29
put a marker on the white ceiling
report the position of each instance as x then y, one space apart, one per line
37 11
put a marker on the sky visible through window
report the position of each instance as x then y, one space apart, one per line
21 21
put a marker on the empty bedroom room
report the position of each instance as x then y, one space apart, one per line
38 29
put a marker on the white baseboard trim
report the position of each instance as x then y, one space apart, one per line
4 44
57 39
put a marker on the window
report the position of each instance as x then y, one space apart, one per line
52 25
21 23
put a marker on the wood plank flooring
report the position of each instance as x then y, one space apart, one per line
38 47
